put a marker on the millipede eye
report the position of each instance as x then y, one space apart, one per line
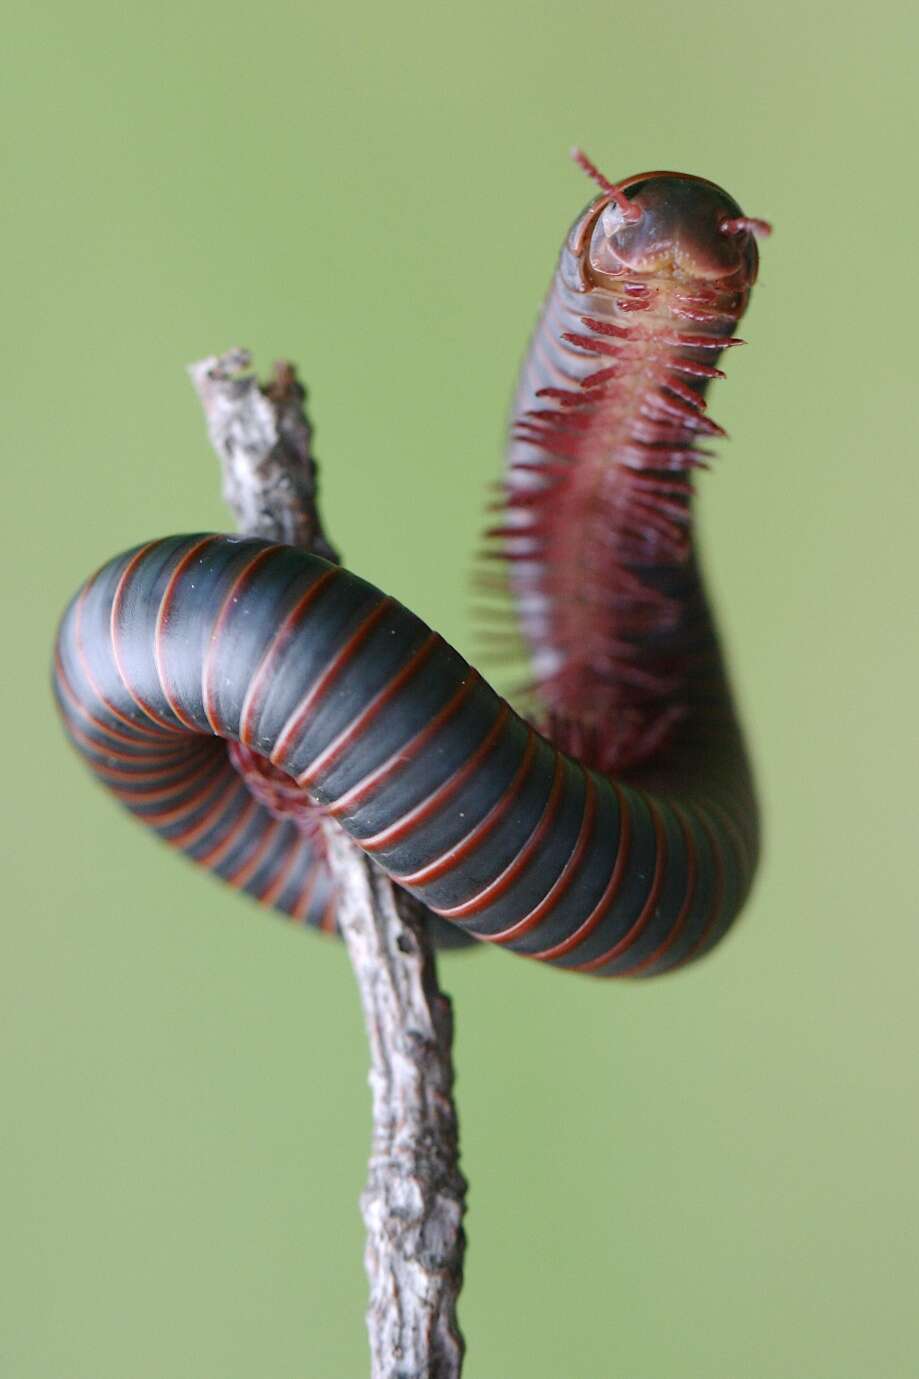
612 221
746 224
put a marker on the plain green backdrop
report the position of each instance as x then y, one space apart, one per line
708 1177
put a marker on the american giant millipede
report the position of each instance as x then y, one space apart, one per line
224 687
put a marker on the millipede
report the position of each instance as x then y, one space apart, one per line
231 692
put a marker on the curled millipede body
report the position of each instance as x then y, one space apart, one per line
225 689
596 515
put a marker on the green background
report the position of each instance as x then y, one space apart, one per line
713 1175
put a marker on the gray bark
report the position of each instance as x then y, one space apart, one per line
414 1200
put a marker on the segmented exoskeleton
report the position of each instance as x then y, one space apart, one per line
224 688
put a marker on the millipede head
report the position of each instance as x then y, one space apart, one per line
671 223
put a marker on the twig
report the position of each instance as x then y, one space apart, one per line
264 443
414 1199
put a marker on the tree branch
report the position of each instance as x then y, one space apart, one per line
414 1200
264 443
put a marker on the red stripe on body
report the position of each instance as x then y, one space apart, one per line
138 729
345 653
603 905
680 921
649 906
279 642
407 751
509 875
117 601
461 851
563 881
350 735
275 886
403 828
232 597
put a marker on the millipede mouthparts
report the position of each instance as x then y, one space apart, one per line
227 690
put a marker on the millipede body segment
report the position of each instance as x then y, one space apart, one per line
226 690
